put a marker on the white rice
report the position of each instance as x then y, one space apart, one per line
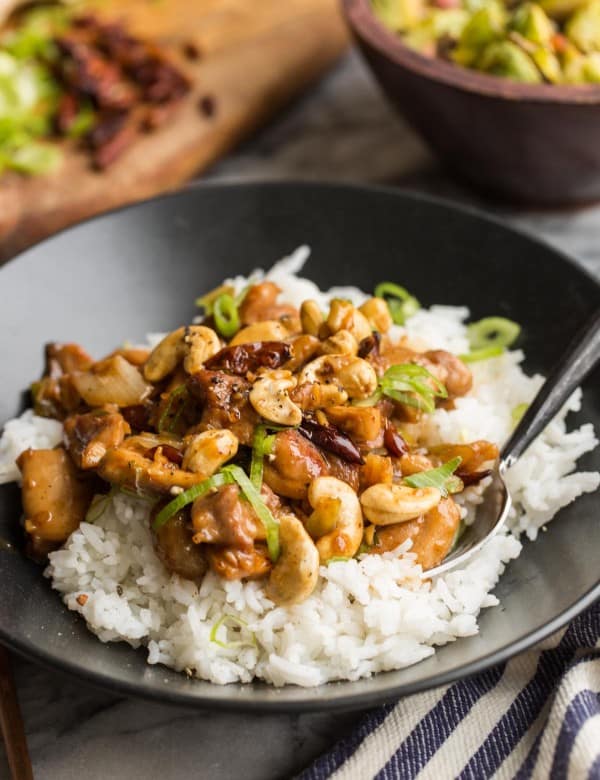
367 615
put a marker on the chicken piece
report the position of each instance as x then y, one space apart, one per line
459 379
474 456
343 470
137 356
362 423
54 395
260 303
377 469
175 548
225 403
55 499
147 463
233 563
432 534
293 465
89 436
223 518
413 463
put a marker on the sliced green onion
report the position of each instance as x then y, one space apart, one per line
174 395
485 353
401 303
337 559
191 494
230 645
492 331
518 412
226 315
262 510
410 384
83 122
437 478
99 506
262 444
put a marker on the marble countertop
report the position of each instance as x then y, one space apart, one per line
343 130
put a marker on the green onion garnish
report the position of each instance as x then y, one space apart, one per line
167 413
188 496
485 353
262 510
410 384
401 303
262 444
440 478
337 559
229 645
489 338
226 315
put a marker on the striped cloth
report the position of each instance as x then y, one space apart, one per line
536 716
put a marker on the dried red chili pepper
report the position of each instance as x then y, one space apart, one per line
473 478
241 358
170 453
369 345
330 438
394 442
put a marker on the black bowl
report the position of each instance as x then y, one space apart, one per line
139 269
532 143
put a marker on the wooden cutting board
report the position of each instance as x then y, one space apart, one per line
255 56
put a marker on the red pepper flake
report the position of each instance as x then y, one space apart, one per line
82 599
394 442
207 105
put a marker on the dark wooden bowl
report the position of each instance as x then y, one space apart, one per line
537 144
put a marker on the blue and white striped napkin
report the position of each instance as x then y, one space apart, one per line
536 716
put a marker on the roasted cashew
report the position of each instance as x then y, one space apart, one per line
201 344
331 495
378 314
192 344
295 575
269 330
344 316
206 452
314 395
341 343
353 374
269 397
385 504
311 317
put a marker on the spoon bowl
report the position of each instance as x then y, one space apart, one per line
582 355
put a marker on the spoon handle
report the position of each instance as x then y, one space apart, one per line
577 362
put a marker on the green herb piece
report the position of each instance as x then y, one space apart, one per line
401 303
482 354
437 478
262 510
518 412
99 506
338 559
167 414
262 444
83 122
226 315
35 158
188 496
410 384
492 332
237 622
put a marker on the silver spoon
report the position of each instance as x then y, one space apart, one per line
580 358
